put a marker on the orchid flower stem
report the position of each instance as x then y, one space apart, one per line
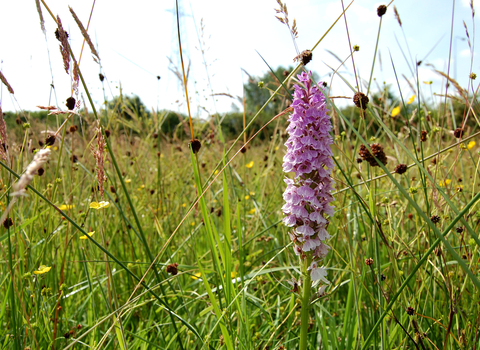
307 286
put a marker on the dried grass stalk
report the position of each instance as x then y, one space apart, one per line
85 34
460 90
63 38
3 136
39 10
284 11
4 80
397 16
40 158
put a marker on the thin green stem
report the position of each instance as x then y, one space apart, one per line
307 287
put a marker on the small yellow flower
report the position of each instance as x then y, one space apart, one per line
90 234
184 205
441 184
462 146
447 182
99 205
247 197
66 206
252 193
411 100
127 180
250 165
252 211
55 148
42 269
276 148
216 172
395 111
471 144
193 224
428 82
141 187
197 275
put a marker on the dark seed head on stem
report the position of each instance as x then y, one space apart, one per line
400 168
7 223
70 103
458 132
360 100
50 140
195 145
304 57
381 10
423 136
172 269
435 219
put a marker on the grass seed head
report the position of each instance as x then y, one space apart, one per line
70 103
304 57
360 100
458 133
381 10
435 219
423 136
377 151
195 145
7 223
400 168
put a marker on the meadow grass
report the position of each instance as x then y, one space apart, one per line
191 253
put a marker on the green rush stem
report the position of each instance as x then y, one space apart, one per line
307 287
374 55
183 72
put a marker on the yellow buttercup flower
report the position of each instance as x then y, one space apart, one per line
250 165
42 269
471 144
411 100
66 206
99 205
197 275
216 172
90 234
252 211
127 180
448 181
395 111
247 197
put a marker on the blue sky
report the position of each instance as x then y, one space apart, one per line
135 41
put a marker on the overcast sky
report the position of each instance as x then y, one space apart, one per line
135 39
